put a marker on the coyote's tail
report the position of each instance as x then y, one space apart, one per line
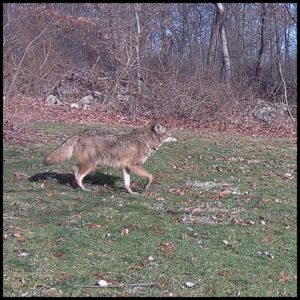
62 152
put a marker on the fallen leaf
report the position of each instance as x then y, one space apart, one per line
167 248
17 233
189 284
102 283
140 265
58 254
266 240
93 225
38 200
224 274
223 193
49 194
22 253
177 191
19 175
125 231
288 176
283 278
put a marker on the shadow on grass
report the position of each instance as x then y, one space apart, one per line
68 179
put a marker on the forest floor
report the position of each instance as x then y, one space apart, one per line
19 113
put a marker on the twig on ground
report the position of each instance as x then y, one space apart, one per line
150 284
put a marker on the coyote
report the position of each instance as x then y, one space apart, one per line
127 151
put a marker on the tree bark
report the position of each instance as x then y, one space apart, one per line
138 26
227 64
262 50
213 41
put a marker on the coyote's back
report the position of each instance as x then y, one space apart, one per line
124 151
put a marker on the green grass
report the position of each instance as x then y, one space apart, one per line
185 207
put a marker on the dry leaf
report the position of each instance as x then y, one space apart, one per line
167 248
92 225
19 175
177 191
17 233
22 253
58 254
223 193
102 283
124 231
266 240
49 194
189 284
38 200
283 278
224 274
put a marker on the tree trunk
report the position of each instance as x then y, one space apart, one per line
213 41
262 50
227 64
138 26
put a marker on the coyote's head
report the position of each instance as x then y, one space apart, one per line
162 132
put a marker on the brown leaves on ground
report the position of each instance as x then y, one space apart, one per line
223 193
58 254
266 240
224 274
284 278
236 221
19 175
93 225
167 248
124 231
178 191
17 233
16 125
140 265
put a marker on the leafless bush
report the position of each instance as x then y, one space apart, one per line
154 59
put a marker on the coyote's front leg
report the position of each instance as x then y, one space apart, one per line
126 174
138 170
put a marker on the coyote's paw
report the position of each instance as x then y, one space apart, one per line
147 185
84 189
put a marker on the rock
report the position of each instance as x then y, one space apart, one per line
52 100
122 97
87 100
74 105
269 112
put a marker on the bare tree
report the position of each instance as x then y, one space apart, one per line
263 41
213 40
227 64
137 9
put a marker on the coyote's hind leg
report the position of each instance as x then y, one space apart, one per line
80 171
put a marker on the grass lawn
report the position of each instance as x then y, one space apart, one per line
219 220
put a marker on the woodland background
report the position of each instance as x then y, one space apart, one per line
187 61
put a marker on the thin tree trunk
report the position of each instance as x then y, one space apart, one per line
262 50
227 64
138 26
213 41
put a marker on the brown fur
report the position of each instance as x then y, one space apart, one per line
123 151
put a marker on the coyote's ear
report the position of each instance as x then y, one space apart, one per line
158 128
